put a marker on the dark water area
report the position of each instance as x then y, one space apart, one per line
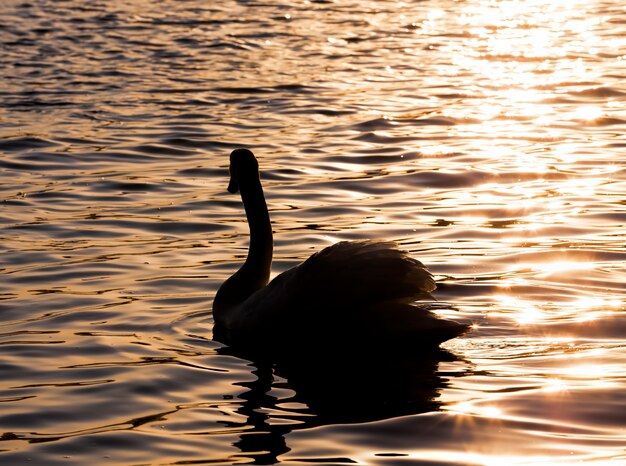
485 137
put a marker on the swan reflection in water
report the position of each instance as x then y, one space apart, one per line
325 388
342 329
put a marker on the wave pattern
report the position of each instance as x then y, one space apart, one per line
486 137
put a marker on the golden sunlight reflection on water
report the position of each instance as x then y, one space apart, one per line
518 50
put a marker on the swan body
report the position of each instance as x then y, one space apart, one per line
352 290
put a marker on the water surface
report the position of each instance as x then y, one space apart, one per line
485 137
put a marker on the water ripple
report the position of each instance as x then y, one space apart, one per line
485 137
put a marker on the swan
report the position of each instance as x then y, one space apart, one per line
350 291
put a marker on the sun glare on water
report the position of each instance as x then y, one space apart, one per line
520 50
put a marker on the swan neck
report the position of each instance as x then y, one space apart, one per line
259 258
254 274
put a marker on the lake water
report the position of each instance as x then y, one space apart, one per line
486 137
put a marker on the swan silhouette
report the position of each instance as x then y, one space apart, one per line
352 291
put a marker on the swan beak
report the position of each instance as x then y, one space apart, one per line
233 186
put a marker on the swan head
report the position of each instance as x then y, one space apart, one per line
243 166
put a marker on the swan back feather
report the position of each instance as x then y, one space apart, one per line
348 292
357 273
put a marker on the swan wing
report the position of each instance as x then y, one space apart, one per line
362 273
364 289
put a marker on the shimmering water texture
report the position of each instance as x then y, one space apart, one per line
486 137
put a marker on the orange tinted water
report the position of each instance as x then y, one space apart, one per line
486 137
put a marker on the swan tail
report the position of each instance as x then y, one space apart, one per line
412 323
391 324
